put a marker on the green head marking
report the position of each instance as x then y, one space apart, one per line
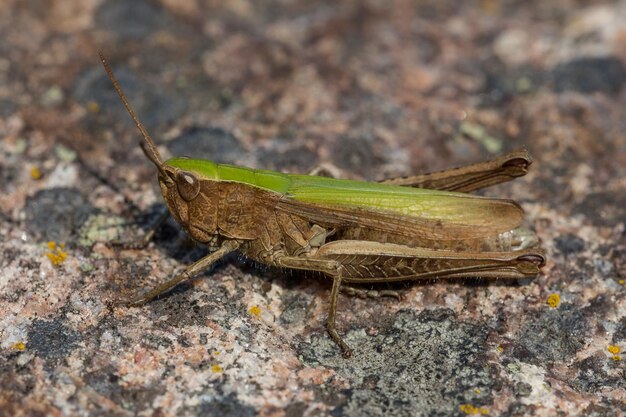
200 167
268 180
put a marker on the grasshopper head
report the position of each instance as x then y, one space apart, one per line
193 202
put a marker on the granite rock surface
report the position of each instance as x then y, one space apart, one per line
375 88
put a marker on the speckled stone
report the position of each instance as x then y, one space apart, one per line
378 89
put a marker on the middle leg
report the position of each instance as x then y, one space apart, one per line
333 270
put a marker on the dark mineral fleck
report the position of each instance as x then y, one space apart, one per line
57 213
226 406
52 340
150 102
569 244
550 335
590 75
131 19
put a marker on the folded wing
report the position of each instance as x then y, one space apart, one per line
401 210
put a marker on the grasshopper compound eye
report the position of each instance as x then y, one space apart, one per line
188 185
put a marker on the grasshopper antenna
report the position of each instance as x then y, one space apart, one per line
147 145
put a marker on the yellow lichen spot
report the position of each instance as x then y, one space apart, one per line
57 254
93 107
216 353
500 349
614 350
255 311
554 300
620 281
35 173
477 390
216 368
19 346
471 409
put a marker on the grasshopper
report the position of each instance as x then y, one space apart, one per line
410 228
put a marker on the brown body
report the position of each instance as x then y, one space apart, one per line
267 230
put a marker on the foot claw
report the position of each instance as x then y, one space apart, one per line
347 352
112 304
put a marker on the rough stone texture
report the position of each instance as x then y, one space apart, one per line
379 89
